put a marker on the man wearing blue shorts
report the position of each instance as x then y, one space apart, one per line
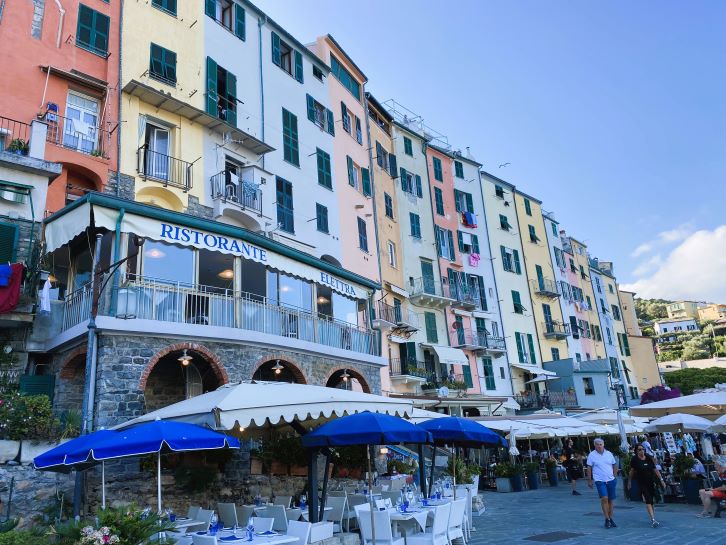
602 468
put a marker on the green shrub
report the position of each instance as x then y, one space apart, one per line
131 525
195 479
27 417
24 537
531 467
506 470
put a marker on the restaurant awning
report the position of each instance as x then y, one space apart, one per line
533 369
702 404
448 355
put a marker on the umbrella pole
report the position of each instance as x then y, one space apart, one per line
548 446
433 459
370 498
530 449
103 485
158 481
454 472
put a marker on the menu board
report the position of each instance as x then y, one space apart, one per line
670 443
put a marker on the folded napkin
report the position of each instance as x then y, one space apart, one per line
267 533
229 538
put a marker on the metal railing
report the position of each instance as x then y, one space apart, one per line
431 287
164 168
465 295
546 400
543 286
495 343
411 368
77 307
467 337
385 312
406 318
226 188
154 299
72 134
14 136
555 329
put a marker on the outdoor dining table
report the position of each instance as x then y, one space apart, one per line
227 536
182 523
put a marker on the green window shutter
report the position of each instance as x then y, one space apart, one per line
532 353
351 179
170 66
322 217
504 257
459 169
366 179
92 29
520 348
527 207
212 96
407 146
457 201
432 335
331 121
488 373
467 376
325 177
291 151
35 385
626 344
8 242
554 229
460 240
311 107
419 188
439 198
438 172
393 165
156 61
452 251
231 105
166 5
210 8
517 266
475 244
298 66
516 299
239 21
276 58
469 202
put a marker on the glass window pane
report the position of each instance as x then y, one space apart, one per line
83 265
253 277
345 309
216 269
325 300
168 263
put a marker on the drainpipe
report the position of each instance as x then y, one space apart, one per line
261 21
118 126
116 258
60 25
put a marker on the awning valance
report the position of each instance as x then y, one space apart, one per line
448 355
533 369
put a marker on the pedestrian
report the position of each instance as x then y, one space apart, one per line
602 468
644 472
647 447
708 495
573 465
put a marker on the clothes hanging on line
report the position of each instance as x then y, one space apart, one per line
6 272
10 293
45 298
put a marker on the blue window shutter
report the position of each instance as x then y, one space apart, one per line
276 49
210 8
331 122
212 97
366 181
475 244
419 189
393 165
239 21
298 66
351 180
460 240
532 353
311 107
231 105
452 251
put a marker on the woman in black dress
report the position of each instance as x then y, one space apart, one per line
644 471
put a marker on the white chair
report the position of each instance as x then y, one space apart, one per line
193 512
285 501
204 540
384 534
381 504
353 501
300 530
393 495
456 520
244 512
337 512
279 516
204 516
439 529
227 514
262 524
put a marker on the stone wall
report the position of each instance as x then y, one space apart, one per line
195 208
26 228
126 186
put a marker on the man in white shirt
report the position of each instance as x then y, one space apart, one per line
602 468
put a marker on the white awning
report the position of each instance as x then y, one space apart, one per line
533 369
399 291
448 355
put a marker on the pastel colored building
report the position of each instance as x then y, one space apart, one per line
645 373
711 312
682 309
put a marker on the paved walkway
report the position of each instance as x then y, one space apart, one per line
547 514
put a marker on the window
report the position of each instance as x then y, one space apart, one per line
597 333
554 228
411 183
432 335
381 156
439 199
8 242
610 288
321 215
222 93
488 373
325 176
445 243
614 370
438 171
559 258
616 312
407 146
353 172
362 235
80 131
572 266
165 5
583 276
501 372
499 191
320 115
344 77
388 201
358 131
228 14
162 64
468 243
574 327
528 207
285 220
458 169
555 353
521 346
597 284
588 385
318 73
578 357
464 201
287 58
589 302
517 301
345 117
533 234
415 225
392 260
291 150
504 222
609 335
510 260
92 31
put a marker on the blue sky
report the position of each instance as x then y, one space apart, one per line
612 113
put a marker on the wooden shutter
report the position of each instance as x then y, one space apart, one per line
393 166
8 242
432 335
460 240
210 8
532 353
276 49
452 251
298 66
504 258
212 96
520 348
517 266
311 107
366 181
419 188
469 202
351 179
467 376
475 244
239 21
231 105
331 122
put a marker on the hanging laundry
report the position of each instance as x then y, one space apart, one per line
45 298
474 260
10 293
6 272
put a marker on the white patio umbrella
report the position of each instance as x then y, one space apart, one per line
513 450
422 415
680 423
719 425
703 404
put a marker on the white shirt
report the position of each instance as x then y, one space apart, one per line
602 465
648 448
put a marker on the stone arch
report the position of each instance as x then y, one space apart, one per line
161 197
289 363
214 362
70 366
353 372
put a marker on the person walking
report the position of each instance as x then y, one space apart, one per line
644 471
573 465
602 468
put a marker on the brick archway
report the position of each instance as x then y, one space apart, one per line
353 372
70 367
214 362
290 364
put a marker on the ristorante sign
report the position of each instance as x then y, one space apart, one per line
210 241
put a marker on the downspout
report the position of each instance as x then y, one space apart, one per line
261 21
60 25
116 258
118 132
32 227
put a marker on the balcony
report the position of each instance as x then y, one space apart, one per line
547 400
14 136
167 170
465 298
408 371
427 292
139 298
239 194
74 135
385 316
494 345
545 288
555 330
467 339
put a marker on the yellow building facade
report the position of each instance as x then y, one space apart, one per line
712 312
682 309
582 264
644 367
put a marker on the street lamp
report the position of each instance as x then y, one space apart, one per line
277 368
185 359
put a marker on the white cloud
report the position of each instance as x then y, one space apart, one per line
664 238
644 248
692 270
648 266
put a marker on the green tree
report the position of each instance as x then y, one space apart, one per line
688 380
697 348
651 309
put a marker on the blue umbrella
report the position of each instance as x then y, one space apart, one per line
366 428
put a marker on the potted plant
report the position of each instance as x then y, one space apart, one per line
682 467
19 146
632 490
503 472
516 478
531 469
455 386
551 467
429 388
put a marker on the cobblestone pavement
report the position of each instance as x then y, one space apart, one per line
544 515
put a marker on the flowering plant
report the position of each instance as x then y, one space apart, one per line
102 536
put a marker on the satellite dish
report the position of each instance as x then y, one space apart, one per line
443 391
